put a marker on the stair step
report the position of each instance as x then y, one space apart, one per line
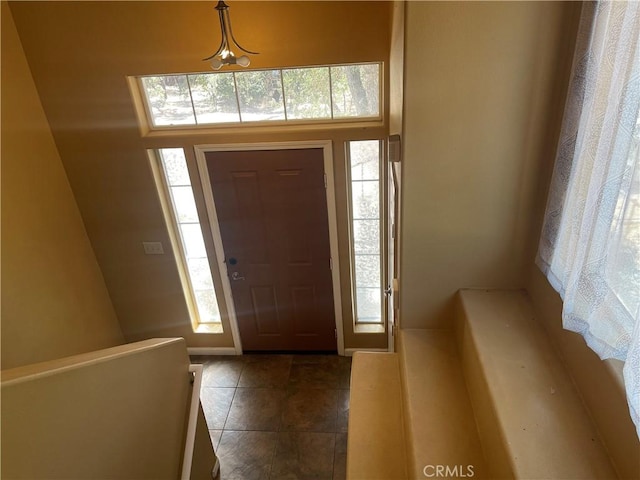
531 420
441 430
375 444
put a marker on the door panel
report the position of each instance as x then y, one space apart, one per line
265 307
272 213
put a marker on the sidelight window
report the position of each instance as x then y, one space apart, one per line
364 166
174 187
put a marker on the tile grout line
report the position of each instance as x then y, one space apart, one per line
333 460
273 455
277 448
235 389
335 435
277 432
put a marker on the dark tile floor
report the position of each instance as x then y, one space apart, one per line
275 417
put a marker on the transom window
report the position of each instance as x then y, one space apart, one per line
325 93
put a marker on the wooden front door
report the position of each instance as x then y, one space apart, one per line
272 213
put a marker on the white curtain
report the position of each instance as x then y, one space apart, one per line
590 244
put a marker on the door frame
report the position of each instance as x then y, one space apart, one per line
332 220
392 170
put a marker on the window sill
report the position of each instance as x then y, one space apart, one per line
259 127
209 328
368 328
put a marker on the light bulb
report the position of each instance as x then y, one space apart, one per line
243 61
216 63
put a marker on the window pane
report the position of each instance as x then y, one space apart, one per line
341 91
355 91
193 241
365 197
369 304
366 236
200 274
207 306
364 169
260 95
214 98
198 289
367 271
623 266
365 160
184 204
307 92
169 100
175 166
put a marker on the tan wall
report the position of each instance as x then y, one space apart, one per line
114 413
396 68
479 80
80 54
54 300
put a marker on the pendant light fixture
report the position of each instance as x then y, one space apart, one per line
224 55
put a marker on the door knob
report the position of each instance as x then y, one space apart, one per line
236 276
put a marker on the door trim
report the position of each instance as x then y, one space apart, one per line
332 220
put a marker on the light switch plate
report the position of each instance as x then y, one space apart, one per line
153 248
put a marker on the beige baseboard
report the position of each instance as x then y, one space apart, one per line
348 352
211 351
